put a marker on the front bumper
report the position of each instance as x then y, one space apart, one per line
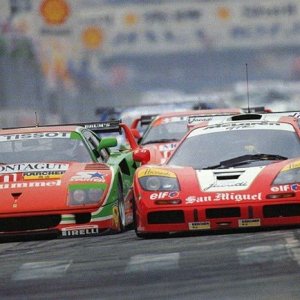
213 218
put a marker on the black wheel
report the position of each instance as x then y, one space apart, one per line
121 209
135 219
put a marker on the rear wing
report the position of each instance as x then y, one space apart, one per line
103 127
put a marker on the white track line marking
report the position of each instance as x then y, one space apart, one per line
42 269
262 254
152 262
293 246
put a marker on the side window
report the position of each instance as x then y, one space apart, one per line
93 142
104 153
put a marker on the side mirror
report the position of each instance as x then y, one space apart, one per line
141 155
135 133
107 142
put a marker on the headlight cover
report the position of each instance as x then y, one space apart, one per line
159 183
158 179
287 176
85 194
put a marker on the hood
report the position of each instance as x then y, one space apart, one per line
230 185
227 180
43 187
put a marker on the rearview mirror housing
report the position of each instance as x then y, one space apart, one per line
141 155
107 142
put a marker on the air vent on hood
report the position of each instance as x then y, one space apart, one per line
228 177
246 117
96 166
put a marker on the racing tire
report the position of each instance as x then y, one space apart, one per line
135 219
121 209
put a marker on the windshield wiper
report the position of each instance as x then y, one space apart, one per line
160 141
245 159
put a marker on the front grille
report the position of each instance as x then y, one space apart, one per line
281 210
166 217
227 212
29 223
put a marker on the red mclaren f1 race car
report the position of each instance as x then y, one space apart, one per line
239 173
66 180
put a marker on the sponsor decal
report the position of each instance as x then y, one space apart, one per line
294 187
28 167
223 197
43 175
89 176
156 172
37 135
276 10
163 195
249 223
199 225
11 177
197 119
218 180
294 165
80 231
32 184
195 199
174 119
226 185
246 125
285 188
167 147
193 120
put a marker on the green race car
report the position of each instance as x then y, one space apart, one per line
67 180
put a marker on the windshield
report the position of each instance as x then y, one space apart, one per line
166 130
209 150
42 147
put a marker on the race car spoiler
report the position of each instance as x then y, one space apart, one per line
104 126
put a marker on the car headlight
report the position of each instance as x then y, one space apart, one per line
287 176
157 179
158 183
83 195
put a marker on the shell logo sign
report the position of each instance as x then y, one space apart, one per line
223 13
55 12
92 37
131 19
